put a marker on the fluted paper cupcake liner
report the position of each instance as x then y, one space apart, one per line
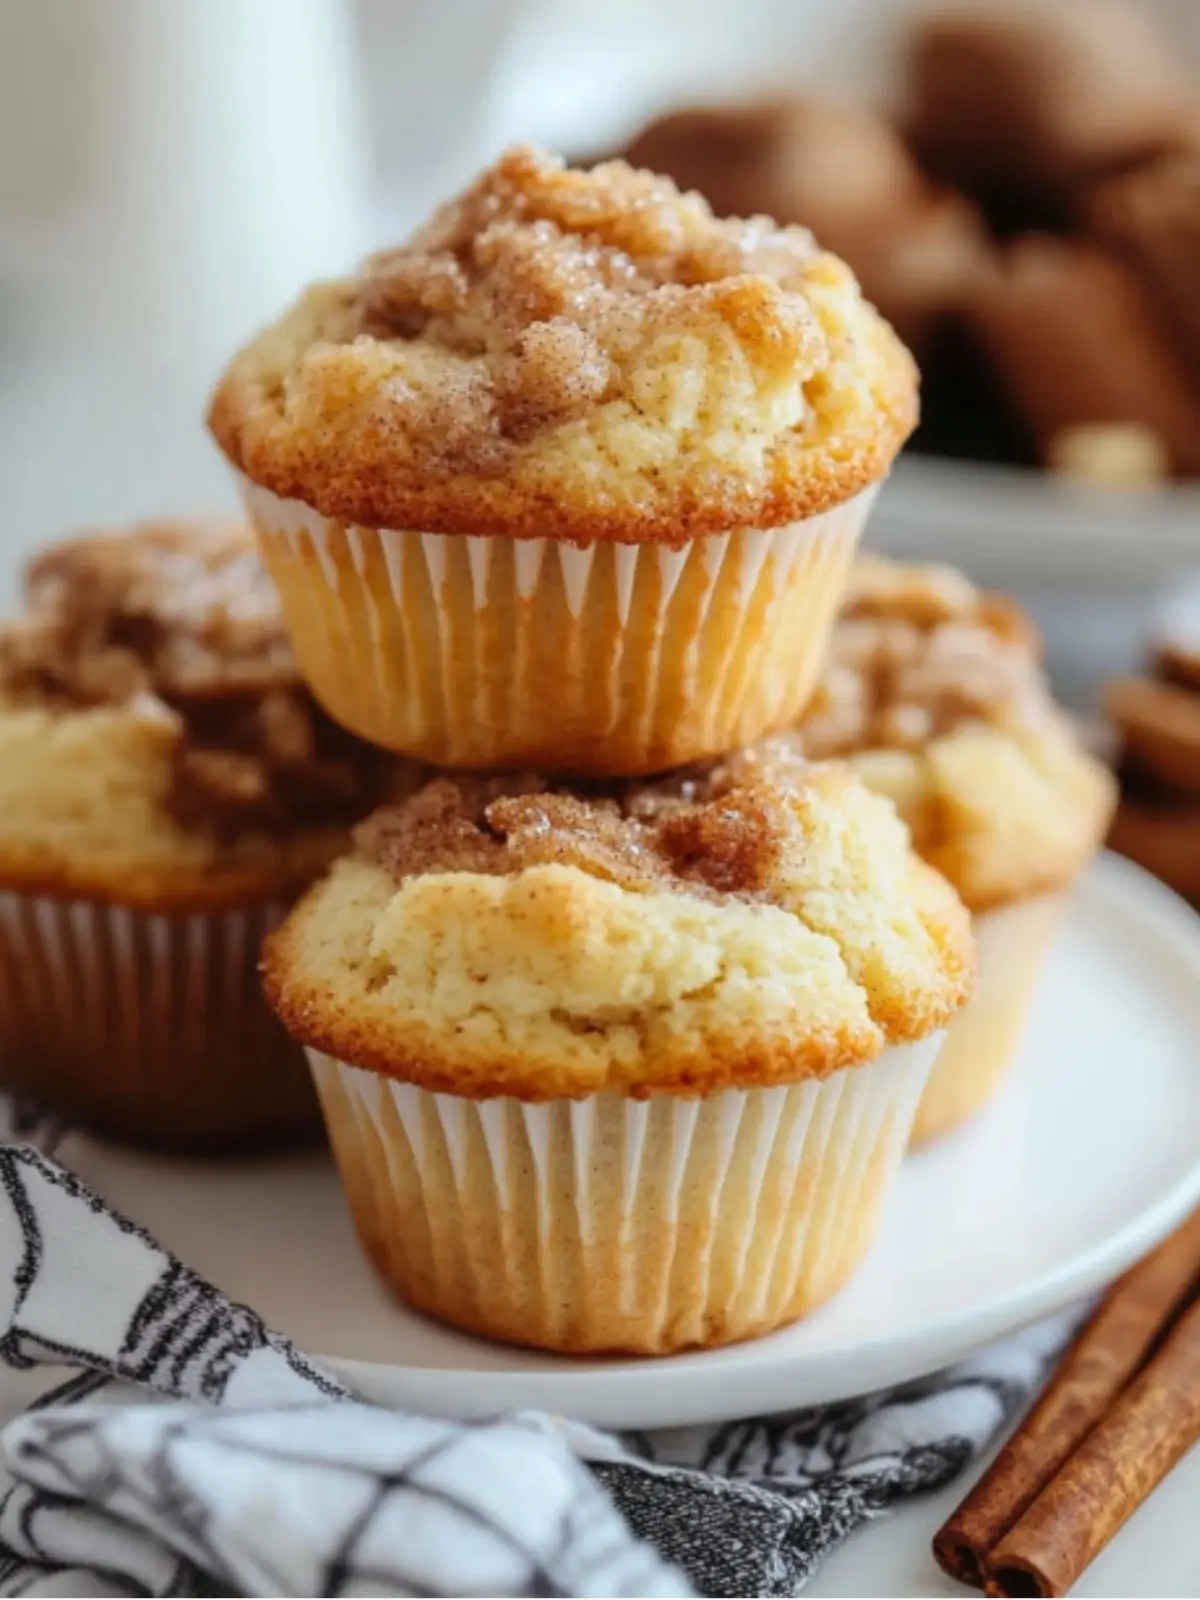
982 1041
146 1027
609 1223
607 659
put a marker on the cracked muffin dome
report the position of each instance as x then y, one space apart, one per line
586 355
742 925
934 693
157 746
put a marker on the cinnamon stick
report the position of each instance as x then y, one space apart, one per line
1100 1362
1129 1452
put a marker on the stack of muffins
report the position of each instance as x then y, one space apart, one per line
622 1006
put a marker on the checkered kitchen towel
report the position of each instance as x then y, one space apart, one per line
197 1452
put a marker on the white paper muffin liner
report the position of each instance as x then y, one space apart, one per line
148 1027
1012 943
607 658
610 1223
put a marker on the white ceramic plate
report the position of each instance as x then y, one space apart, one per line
1089 1156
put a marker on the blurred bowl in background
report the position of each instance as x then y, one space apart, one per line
1015 524
1093 566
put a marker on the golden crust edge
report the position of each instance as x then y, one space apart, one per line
368 496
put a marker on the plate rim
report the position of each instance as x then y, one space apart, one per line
598 1391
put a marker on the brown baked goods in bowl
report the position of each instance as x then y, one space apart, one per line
935 697
1036 96
626 1069
167 786
1075 341
1151 217
571 479
1157 717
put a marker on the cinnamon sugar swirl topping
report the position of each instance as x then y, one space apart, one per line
716 833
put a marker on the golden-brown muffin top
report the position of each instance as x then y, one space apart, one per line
935 693
576 354
749 924
150 707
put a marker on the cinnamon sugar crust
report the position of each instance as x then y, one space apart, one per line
731 927
155 737
585 355
666 836
934 693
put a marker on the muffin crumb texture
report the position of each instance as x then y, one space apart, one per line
935 694
150 707
732 926
592 353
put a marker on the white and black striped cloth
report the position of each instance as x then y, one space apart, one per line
197 1452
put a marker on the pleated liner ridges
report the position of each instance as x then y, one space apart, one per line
982 1041
478 651
150 1028
617 1224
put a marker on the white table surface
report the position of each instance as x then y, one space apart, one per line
1156 1554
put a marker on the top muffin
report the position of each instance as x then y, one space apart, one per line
586 355
157 745
935 694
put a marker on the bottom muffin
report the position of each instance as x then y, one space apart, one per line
623 1071
167 787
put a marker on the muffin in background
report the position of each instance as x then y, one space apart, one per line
935 697
573 478
167 787
626 1069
